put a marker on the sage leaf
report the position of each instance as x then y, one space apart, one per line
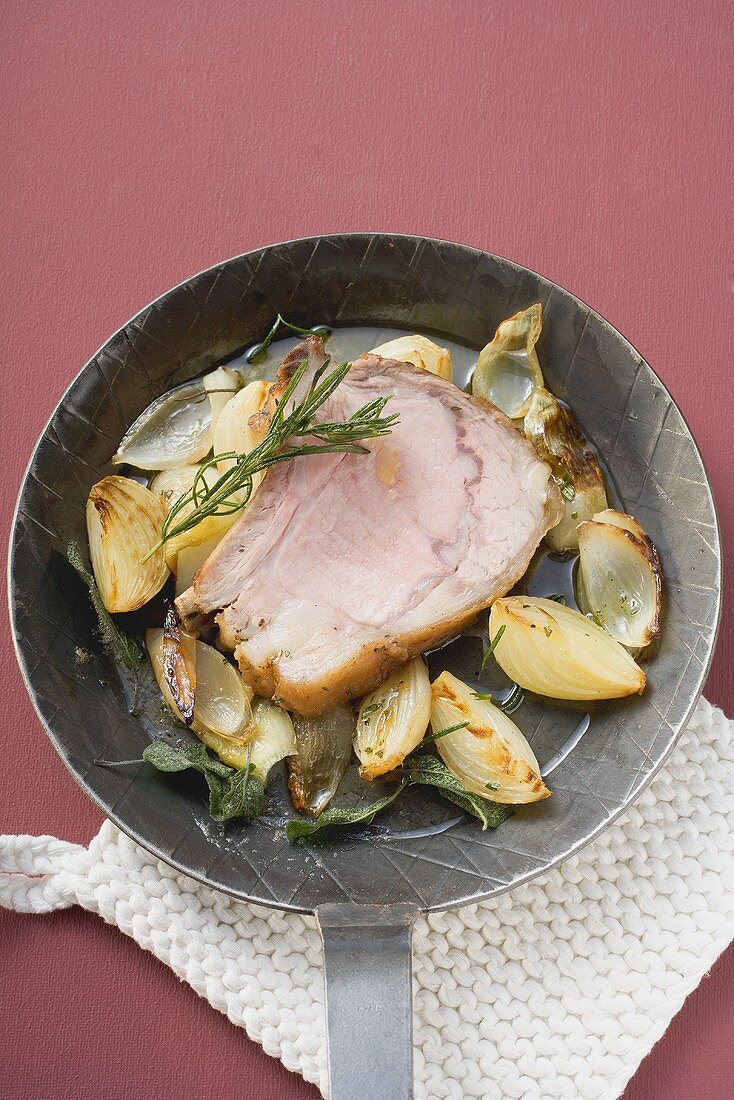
177 758
337 817
241 795
430 771
117 644
233 793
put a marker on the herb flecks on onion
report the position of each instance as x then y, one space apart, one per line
421 352
488 754
553 431
392 720
620 580
555 651
507 371
124 522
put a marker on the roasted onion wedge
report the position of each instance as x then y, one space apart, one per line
178 657
222 703
421 352
124 521
620 580
553 431
274 737
490 755
323 750
171 485
507 371
393 719
177 428
555 651
234 432
221 385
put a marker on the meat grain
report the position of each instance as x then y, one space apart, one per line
345 566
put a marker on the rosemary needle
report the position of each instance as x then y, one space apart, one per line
233 489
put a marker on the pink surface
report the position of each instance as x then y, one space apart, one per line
142 142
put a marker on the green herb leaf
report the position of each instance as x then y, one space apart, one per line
258 351
232 793
492 645
565 484
430 771
512 702
177 758
242 795
337 817
373 709
442 733
117 644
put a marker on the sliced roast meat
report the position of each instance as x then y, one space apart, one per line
345 566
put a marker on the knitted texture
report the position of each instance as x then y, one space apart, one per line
556 989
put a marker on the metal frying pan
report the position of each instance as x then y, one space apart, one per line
366 893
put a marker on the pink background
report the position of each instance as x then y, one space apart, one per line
144 141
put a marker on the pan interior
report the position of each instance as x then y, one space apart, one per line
370 288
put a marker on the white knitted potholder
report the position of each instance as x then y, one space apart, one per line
558 988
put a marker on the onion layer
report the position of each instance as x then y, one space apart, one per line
274 737
172 484
234 432
124 521
555 651
323 750
393 719
272 741
189 561
222 701
421 352
177 428
620 580
490 755
553 431
507 371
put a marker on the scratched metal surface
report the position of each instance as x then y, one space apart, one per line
365 279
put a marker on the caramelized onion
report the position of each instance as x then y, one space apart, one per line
555 651
124 521
393 719
489 755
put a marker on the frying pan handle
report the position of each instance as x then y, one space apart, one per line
369 1000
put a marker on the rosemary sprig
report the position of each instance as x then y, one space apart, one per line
233 489
258 350
492 646
429 737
